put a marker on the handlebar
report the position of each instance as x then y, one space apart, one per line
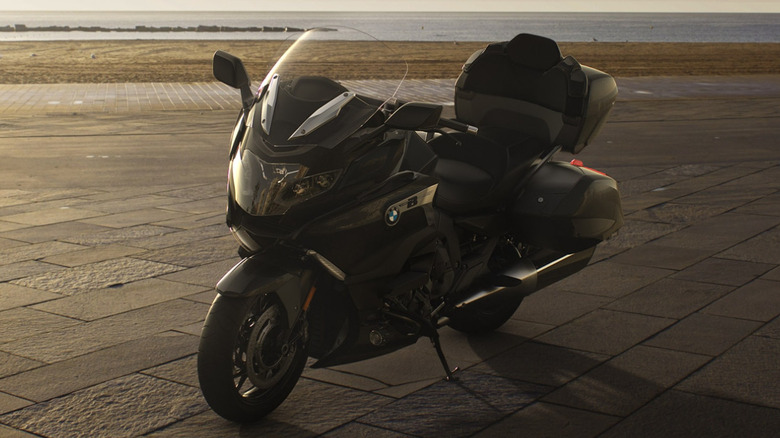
458 126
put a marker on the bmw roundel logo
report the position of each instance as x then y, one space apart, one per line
392 216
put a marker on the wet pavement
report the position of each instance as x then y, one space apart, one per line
112 237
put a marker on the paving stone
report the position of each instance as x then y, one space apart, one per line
764 248
677 213
100 303
770 329
59 231
206 275
126 236
769 205
758 300
125 407
132 218
661 256
8 432
557 306
400 391
6 244
66 343
9 403
480 400
540 363
748 373
92 255
197 192
16 296
410 364
23 322
185 237
361 430
184 371
10 226
208 424
71 375
201 206
627 382
348 380
194 221
53 216
36 251
723 271
10 364
131 203
679 415
20 270
195 253
720 232
544 420
704 334
606 331
670 298
609 279
774 274
97 275
635 232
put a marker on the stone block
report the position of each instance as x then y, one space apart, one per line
758 300
670 298
704 334
748 373
680 415
606 331
625 383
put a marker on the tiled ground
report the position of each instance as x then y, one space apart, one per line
112 238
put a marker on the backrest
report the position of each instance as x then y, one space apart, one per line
523 85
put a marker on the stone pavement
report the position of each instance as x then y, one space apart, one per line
112 238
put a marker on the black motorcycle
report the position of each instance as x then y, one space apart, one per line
366 223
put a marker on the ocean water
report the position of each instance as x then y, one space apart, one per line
614 27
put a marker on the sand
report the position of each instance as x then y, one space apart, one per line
190 61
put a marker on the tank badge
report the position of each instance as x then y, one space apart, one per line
424 197
392 216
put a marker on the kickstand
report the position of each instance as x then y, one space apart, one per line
437 345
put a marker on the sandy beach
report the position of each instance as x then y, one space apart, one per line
190 61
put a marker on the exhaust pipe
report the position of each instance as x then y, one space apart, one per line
523 277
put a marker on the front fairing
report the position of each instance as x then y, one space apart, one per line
295 145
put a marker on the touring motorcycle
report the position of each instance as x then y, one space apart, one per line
366 220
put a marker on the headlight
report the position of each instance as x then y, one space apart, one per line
267 189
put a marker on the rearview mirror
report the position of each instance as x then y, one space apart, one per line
229 70
415 116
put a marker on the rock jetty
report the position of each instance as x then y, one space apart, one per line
201 28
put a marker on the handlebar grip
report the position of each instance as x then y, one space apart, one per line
458 126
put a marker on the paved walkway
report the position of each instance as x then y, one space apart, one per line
112 238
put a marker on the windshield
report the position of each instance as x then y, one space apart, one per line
325 85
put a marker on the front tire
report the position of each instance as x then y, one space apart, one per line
245 367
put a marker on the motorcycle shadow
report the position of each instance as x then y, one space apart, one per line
518 382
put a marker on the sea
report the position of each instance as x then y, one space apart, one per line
417 26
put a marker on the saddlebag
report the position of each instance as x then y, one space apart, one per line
525 85
567 208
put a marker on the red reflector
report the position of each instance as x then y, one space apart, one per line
579 163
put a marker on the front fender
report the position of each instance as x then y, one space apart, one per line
256 275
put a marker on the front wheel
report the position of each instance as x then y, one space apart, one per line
246 364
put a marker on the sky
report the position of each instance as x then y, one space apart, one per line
398 5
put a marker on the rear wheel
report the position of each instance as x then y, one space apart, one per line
246 366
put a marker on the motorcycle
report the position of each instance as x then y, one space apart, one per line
366 222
